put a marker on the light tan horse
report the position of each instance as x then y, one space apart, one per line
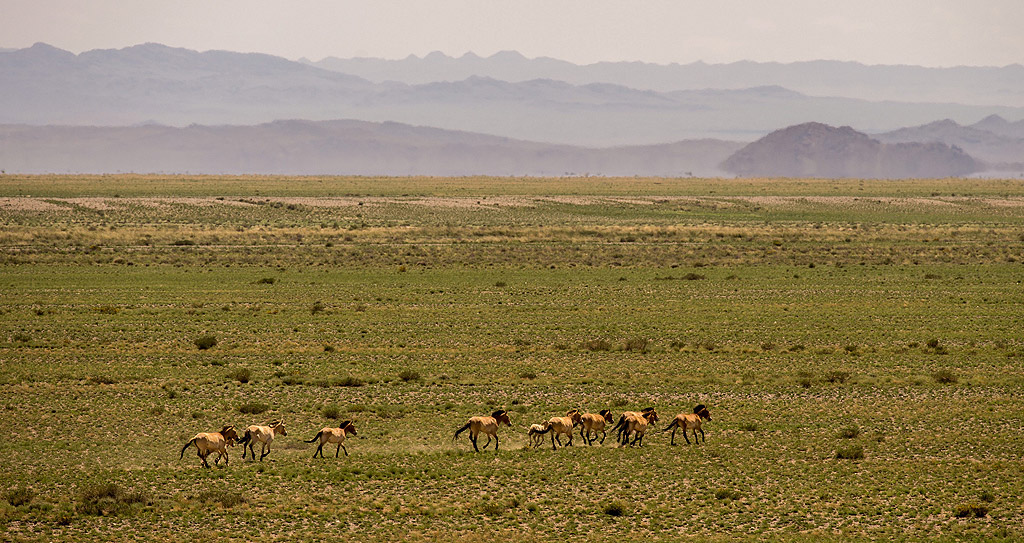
637 425
333 435
209 442
620 427
485 425
264 434
562 425
595 423
689 421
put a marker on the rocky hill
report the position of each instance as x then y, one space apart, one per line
819 150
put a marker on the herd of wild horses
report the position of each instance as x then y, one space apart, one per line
630 428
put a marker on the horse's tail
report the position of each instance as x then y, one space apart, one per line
316 437
622 420
460 430
187 445
673 424
246 438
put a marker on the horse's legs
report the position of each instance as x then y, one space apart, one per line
673 437
603 435
687 438
473 439
702 438
553 441
319 450
495 442
264 451
488 441
342 445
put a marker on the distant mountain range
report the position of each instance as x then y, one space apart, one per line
152 83
152 108
335 147
962 84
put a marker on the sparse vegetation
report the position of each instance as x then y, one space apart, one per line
828 415
205 342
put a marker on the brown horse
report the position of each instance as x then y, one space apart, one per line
333 435
264 434
637 425
690 421
562 425
620 427
595 423
487 425
209 442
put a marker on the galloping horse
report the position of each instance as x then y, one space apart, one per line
689 421
486 425
590 422
637 425
562 425
209 442
264 434
333 435
620 427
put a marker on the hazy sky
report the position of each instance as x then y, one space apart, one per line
925 32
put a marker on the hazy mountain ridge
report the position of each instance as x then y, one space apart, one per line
962 84
819 150
334 147
153 83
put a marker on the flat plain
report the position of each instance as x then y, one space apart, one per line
857 342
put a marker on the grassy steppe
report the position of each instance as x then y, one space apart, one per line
858 344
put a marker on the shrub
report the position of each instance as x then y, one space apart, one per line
347 381
408 375
252 408
945 377
103 499
242 375
331 412
597 345
637 345
226 499
527 375
266 281
839 377
969 510
726 494
318 306
693 276
329 348
749 426
849 432
205 342
615 509
102 380
853 452
21 495
805 379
